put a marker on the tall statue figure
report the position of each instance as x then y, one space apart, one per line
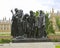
20 22
31 24
41 25
14 27
26 25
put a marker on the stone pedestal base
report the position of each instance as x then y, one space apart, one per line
31 40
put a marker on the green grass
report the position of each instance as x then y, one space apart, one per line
5 34
5 40
57 46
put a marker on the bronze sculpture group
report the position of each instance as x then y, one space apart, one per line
28 26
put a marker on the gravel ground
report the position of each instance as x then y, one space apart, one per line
30 45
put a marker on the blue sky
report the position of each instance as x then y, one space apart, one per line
27 5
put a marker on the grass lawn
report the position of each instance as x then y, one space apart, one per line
5 37
5 40
57 46
5 34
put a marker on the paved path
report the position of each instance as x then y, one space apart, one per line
30 45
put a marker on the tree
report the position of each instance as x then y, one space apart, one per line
58 22
36 13
49 26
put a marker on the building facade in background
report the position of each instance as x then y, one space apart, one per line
5 25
